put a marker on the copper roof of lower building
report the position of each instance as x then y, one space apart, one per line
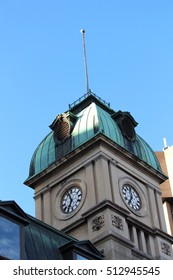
38 240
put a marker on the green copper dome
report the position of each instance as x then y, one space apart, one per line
81 123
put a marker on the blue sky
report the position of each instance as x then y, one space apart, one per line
130 63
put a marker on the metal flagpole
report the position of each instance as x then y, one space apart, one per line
85 60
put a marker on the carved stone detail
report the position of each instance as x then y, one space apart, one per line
166 249
98 223
117 222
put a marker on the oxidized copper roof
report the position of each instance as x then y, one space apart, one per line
91 118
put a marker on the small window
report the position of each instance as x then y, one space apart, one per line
80 257
171 206
130 228
9 239
138 231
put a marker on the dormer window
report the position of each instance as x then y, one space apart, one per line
10 239
62 126
126 124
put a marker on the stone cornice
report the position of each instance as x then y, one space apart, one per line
95 142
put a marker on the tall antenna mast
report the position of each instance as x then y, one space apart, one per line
85 60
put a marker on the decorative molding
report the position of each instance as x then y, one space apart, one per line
98 222
117 222
106 204
166 249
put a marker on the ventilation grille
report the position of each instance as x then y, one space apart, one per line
63 130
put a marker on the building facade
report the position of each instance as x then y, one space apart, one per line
165 158
96 179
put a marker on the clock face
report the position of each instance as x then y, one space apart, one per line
131 197
71 199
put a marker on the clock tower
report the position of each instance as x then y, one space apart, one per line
95 178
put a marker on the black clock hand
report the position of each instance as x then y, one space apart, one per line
69 201
131 197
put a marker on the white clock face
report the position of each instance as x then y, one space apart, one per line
71 199
131 197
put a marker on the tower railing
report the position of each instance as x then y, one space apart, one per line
85 96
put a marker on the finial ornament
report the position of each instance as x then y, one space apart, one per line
85 60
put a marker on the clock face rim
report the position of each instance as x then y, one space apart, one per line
132 197
62 189
71 199
141 189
